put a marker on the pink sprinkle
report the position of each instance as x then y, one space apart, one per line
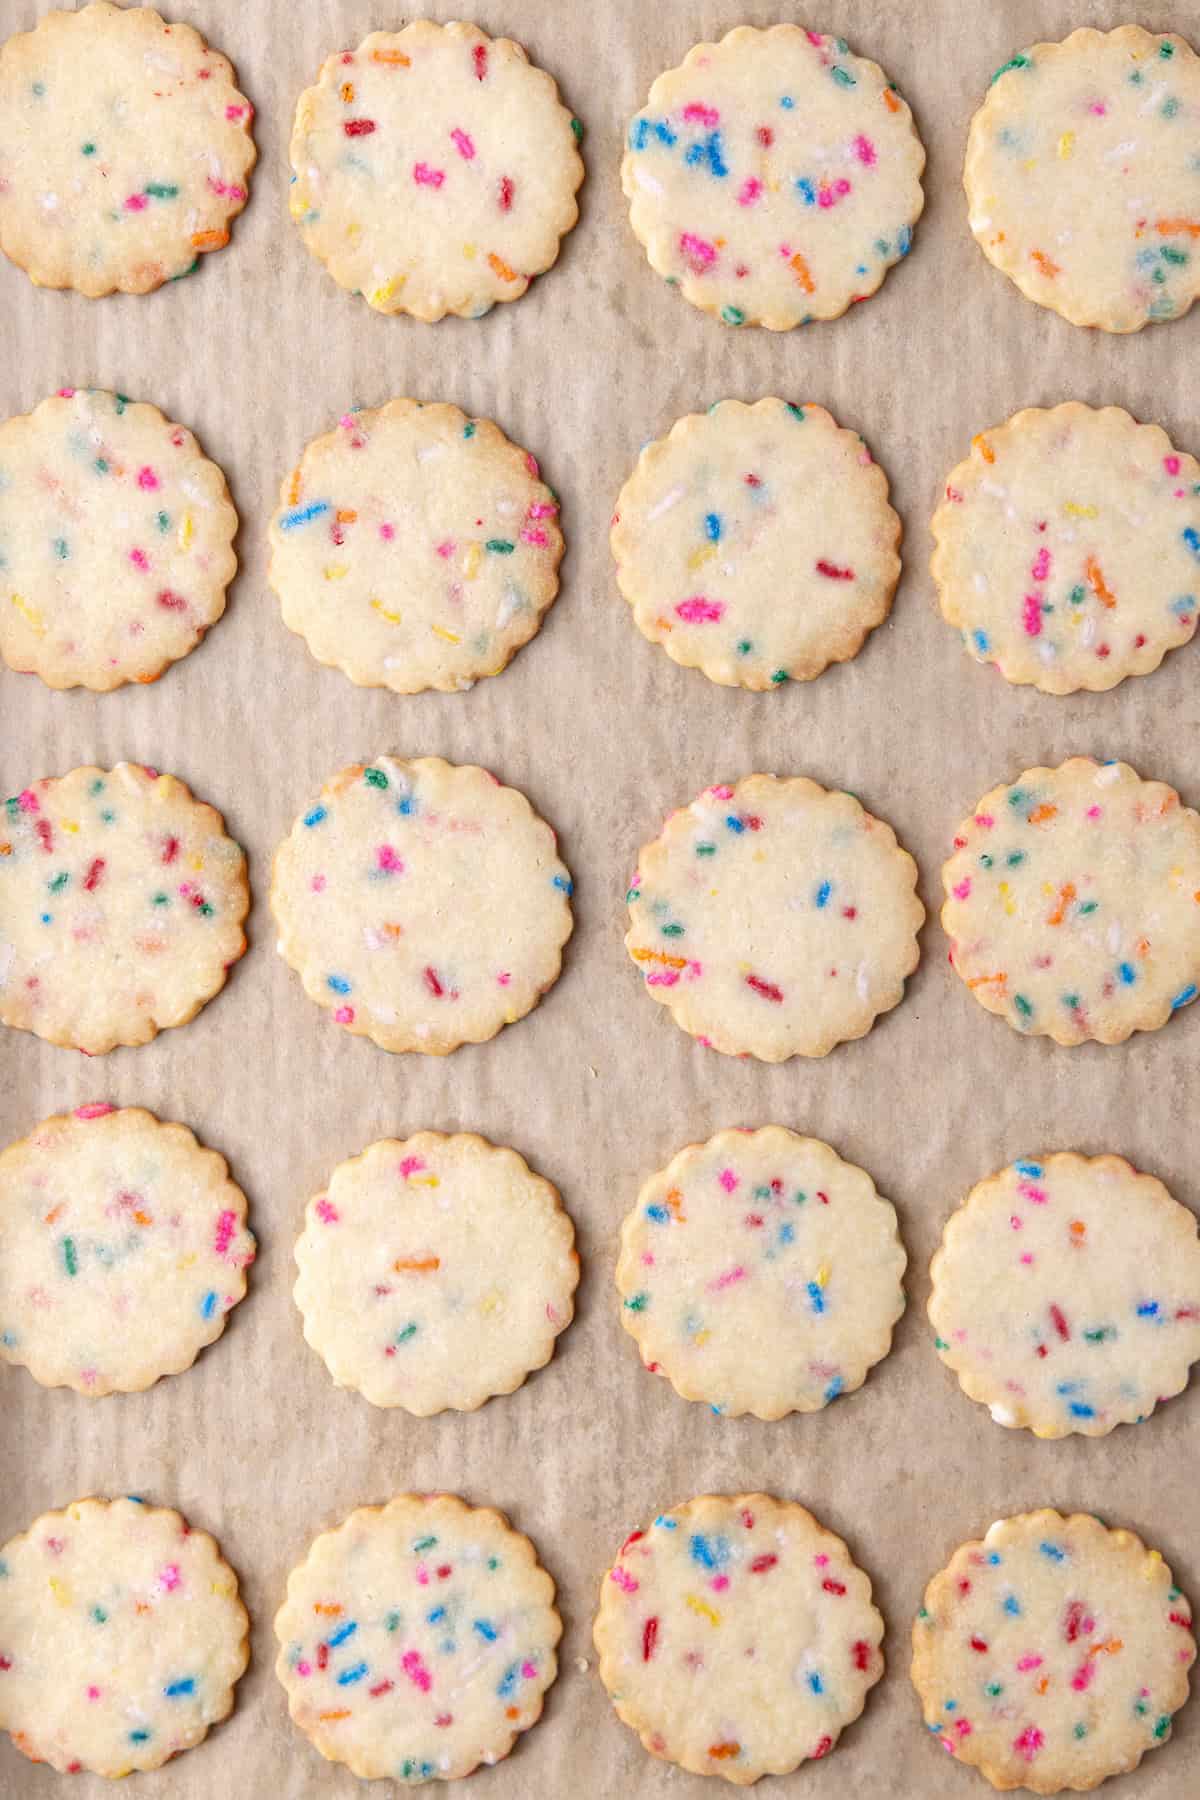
422 1575
424 176
701 255
235 112
704 115
387 859
1041 566
446 549
751 188
343 1015
963 888
726 1279
531 464
504 978
27 800
534 537
139 559
1093 812
463 144
542 509
96 1109
1032 616
721 793
317 884
147 479
985 821
624 1581
93 1693
66 393
1029 1742
1171 465
864 149
719 1583
1029 1662
136 203
1082 1678
699 611
1027 1259
1098 107
226 1221
387 532
728 1180
304 1668
416 1671
814 37
169 1578
1029 1191
327 1212
1016 1221
662 978
411 1165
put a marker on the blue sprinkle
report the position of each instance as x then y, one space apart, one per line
438 1613
712 527
315 816
1054 1551
1031 1169
639 134
1185 604
658 1213
787 1232
208 1305
1012 1605
302 515
1127 973
1067 1387
735 824
1191 538
823 893
348 1677
995 1558
486 1630
787 102
817 1297
174 1689
904 240
664 133
980 640
338 983
561 882
806 190
341 1634
1185 996
508 1681
1148 1309
710 1553
1078 1409
404 805
815 1683
667 1524
834 1389
138 1737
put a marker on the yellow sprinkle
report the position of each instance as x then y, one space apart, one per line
701 1338
703 555
30 614
1153 1559
1029 163
472 561
1175 877
470 251
224 1588
195 863
703 1608
823 1275
1005 891
60 1590
491 1303
1066 144
430 1181
335 571
1081 512
71 825
187 530
383 294
354 231
450 637
185 1262
393 618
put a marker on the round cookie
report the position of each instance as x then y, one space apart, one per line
122 1637
116 541
761 1273
415 548
1068 548
435 170
422 903
1066 1295
417 1639
121 906
1073 902
1052 1654
1081 177
774 918
774 177
757 543
125 149
736 1636
435 1273
123 1244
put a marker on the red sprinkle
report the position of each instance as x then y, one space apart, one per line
322 1656
649 1638
45 835
506 192
830 1586
433 984
358 127
761 1564
823 1748
767 989
979 1644
381 1687
170 850
94 876
831 571
479 58
172 602
861 1652
1060 1324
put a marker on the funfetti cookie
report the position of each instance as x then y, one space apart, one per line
123 1246
774 177
737 1637
436 1272
421 903
757 543
116 541
121 906
122 1637
415 548
417 1639
125 149
1068 547
774 918
1073 902
435 170
761 1273
1081 176
1052 1654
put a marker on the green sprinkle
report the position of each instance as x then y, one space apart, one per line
733 315
1015 858
493 1563
162 900
1014 62
940 1344
392 1622
986 859
1162 1726
59 883
672 930
1171 255
161 190
70 1263
500 546
706 849
1140 1708
205 909
922 1612
1136 78
1022 1005
1071 1002
1088 906
799 1197
577 130
425 1543
1170 107
107 816
87 149
1017 797
632 894
994 1688
39 88
163 521
1166 50
120 402
637 1302
1102 1334
191 268
778 677
1077 596
97 786
62 549
744 647
99 1615
100 466
843 77
797 412
469 429
375 778
409 1331
1081 1730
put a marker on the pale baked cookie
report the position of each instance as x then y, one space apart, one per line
123 1244
774 177
1052 1654
125 149
417 1639
774 918
1073 902
435 1273
761 1273
116 541
122 1637
1081 176
736 1636
121 906
757 543
422 903
435 170
415 548
1066 1294
1068 548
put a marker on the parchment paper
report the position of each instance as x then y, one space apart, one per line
258 352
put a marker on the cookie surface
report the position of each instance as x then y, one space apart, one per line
121 906
757 543
415 548
123 1244
417 1639
761 1273
1068 548
435 170
1053 1653
122 1637
422 903
773 177
125 149
436 1272
1081 178
774 918
736 1636
116 541
1073 902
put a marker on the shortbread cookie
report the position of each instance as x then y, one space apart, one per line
422 903
435 1272
774 918
121 906
736 1637
435 170
116 541
125 150
122 1637
757 543
1081 176
415 548
1073 902
774 177
761 1273
123 1244
417 1639
1066 1295
1068 548
1053 1654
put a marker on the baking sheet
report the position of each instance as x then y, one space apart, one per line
258 352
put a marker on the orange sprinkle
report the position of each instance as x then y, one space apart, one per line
801 270
209 240
53 1213
1042 815
392 931
1078 1228
659 956
984 448
724 1749
1044 263
1097 583
347 92
501 268
339 1712
294 488
1173 227
891 100
142 1218
674 1205
393 59
326 1611
982 980
6 850
512 1712
346 515
1043 1684
1066 894
1112 1648
1143 946
416 1265
141 1606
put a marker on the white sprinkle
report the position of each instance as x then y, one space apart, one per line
645 180
1003 1415
666 503
1108 774
1120 150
